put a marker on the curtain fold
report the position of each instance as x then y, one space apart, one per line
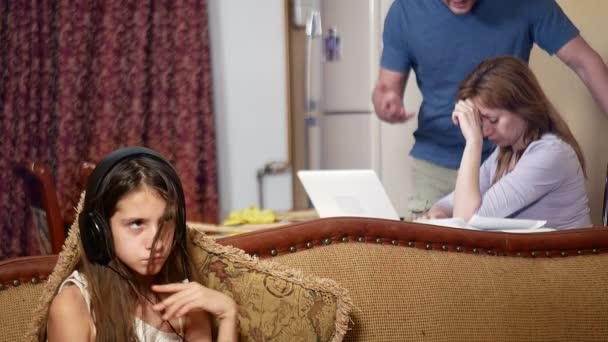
82 78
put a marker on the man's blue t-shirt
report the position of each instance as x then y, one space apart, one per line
443 48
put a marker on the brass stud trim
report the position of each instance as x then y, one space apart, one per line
563 253
292 249
428 246
394 242
444 247
580 252
595 251
361 239
16 282
274 252
309 244
548 253
35 280
378 240
2 287
326 241
518 254
476 250
411 244
490 252
345 239
533 253
459 249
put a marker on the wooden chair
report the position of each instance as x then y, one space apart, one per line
605 204
42 194
84 172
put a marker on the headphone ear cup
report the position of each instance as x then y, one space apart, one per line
97 239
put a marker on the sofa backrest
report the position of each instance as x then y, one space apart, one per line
418 282
21 284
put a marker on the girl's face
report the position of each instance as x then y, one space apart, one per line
502 127
138 217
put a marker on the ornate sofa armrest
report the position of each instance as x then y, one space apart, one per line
21 284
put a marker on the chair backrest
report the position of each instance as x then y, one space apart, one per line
605 204
84 172
42 194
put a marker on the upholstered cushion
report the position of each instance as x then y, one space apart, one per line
276 303
411 294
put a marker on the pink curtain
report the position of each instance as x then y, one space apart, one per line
79 79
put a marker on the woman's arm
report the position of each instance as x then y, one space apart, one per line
438 211
543 167
467 197
69 318
445 206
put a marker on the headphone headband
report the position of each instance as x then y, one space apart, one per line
108 162
95 231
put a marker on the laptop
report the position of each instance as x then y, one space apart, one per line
347 193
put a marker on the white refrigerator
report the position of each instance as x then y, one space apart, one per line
344 45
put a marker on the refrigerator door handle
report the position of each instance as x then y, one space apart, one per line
313 31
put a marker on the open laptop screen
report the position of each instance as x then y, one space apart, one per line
347 193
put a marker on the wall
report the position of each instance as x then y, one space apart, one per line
248 56
568 93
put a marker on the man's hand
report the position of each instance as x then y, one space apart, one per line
389 105
388 96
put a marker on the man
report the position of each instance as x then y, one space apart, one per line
442 41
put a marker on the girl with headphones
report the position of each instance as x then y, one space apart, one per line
135 281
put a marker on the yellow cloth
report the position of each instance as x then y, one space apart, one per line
251 215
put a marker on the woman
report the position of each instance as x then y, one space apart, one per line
537 170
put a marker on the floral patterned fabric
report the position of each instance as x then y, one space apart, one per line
275 303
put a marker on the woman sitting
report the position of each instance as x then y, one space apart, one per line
537 170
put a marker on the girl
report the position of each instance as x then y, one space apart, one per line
134 281
536 172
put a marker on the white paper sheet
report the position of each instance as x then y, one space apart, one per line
492 223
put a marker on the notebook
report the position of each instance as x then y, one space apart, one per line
356 193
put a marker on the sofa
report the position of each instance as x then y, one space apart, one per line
413 282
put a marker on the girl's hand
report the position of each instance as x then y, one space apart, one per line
191 297
466 115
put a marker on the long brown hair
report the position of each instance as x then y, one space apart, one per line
115 290
507 82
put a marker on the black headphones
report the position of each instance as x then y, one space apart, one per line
95 232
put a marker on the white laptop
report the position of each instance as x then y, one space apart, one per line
347 193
